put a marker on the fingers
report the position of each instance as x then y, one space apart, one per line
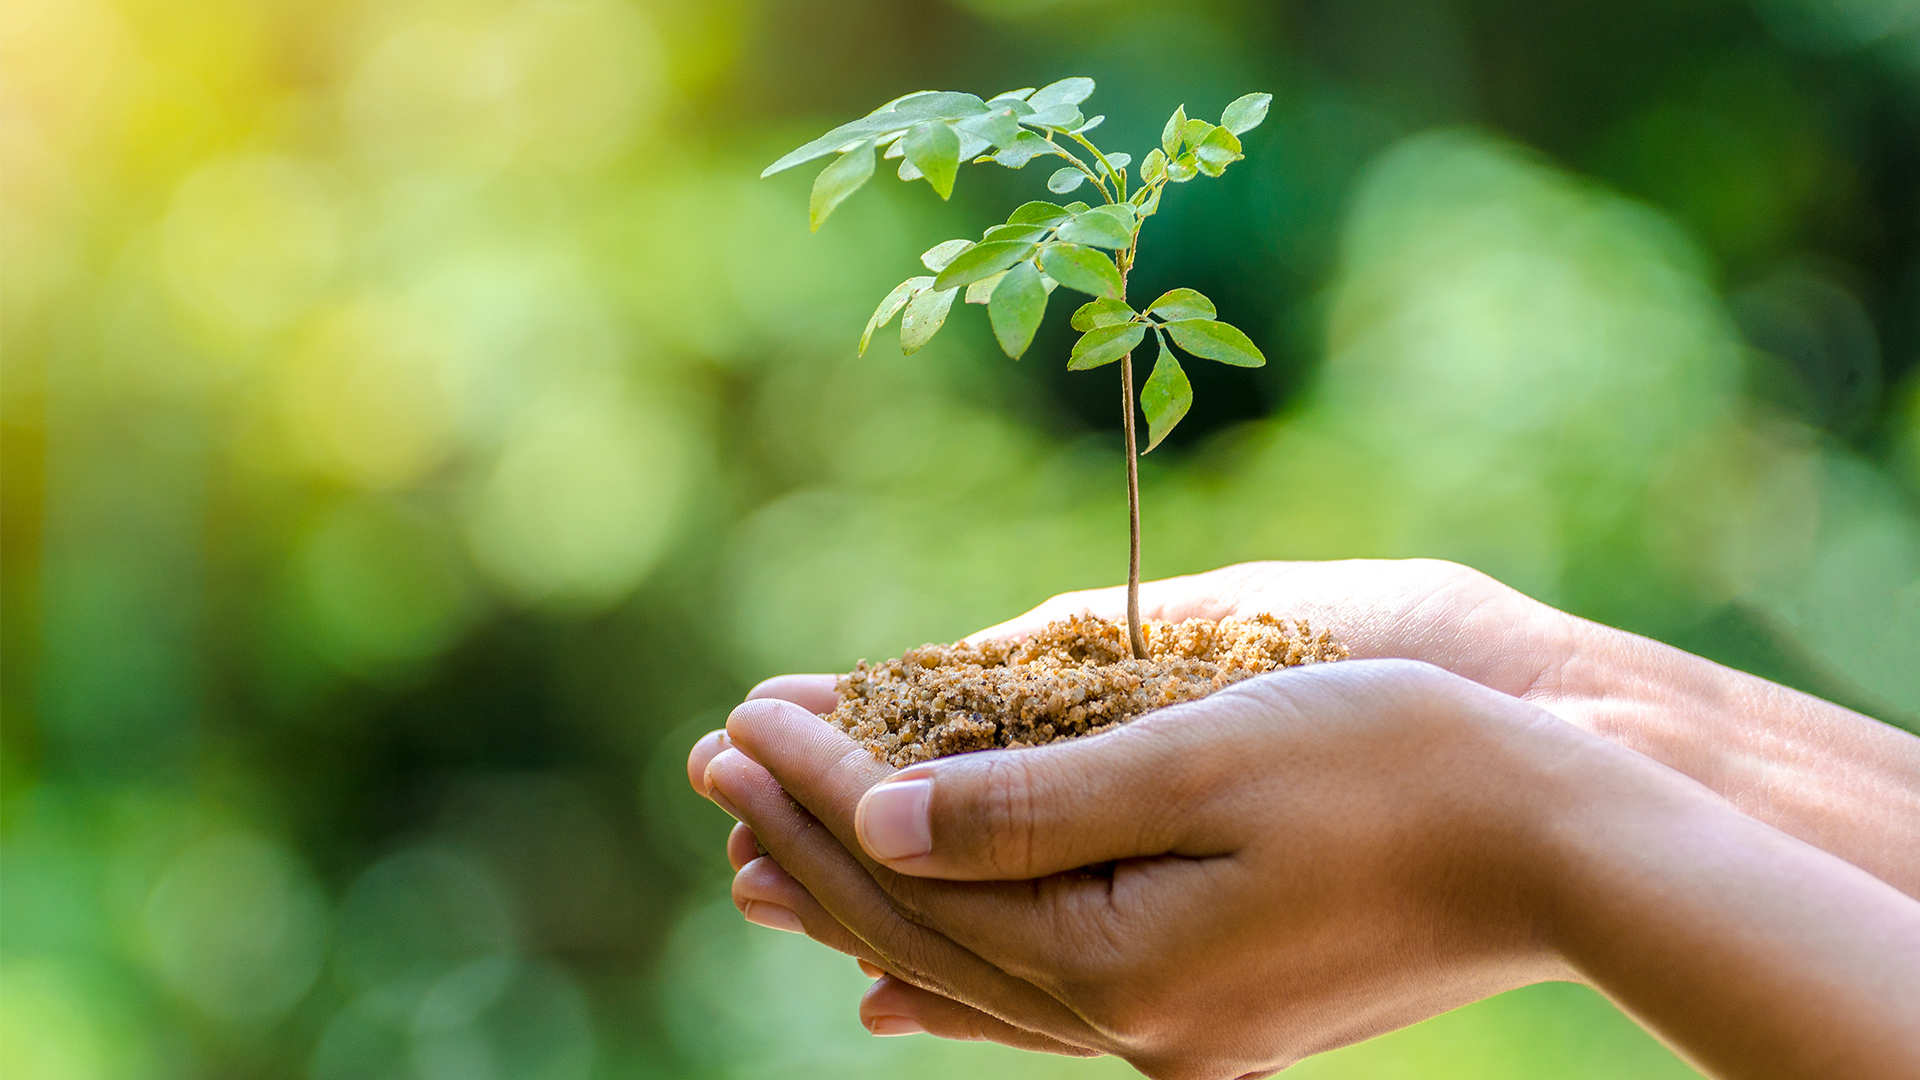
847 892
742 847
817 763
893 1007
769 896
703 751
814 693
1141 791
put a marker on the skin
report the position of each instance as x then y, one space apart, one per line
1321 855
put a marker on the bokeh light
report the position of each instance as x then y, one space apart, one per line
419 424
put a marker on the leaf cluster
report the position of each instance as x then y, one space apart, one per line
1089 247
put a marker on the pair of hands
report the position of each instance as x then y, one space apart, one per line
1293 864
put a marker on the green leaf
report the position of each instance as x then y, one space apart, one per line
999 127
839 180
1018 304
1218 150
1102 226
1215 341
982 260
981 291
1170 135
1183 304
1101 312
1246 113
1154 167
939 105
1012 95
839 140
1090 125
1182 169
1024 149
891 306
1082 268
1030 233
1166 397
925 314
1062 117
909 171
939 255
934 149
1149 201
1065 180
1104 345
1194 132
971 145
1065 92
1119 163
1038 213
1075 208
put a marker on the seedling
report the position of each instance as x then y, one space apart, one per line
1014 267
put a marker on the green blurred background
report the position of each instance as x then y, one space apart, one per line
420 424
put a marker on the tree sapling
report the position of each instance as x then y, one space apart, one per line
1013 269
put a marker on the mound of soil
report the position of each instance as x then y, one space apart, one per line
1075 678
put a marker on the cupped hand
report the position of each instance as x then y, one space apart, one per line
1830 776
1295 863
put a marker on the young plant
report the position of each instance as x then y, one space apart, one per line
1014 267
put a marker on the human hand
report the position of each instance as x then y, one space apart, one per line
1837 779
1298 862
1168 961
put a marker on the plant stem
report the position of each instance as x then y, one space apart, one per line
1135 637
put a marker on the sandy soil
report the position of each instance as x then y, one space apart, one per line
1072 679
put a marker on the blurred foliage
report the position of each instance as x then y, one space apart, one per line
420 424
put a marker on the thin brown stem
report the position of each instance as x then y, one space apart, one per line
1135 637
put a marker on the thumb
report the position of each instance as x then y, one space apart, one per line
1006 815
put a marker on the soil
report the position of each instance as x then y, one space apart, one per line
1074 678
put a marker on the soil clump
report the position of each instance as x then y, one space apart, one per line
1074 678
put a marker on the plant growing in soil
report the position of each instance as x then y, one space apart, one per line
1090 248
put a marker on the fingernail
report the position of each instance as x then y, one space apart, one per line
892 819
719 798
870 970
725 744
772 916
888 1026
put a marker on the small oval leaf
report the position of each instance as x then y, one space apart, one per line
1246 113
1065 180
1170 135
981 291
925 314
1102 226
1082 268
982 260
1028 233
1215 341
1038 213
1016 307
891 305
934 149
1166 397
839 180
1024 149
1153 166
1183 304
1104 345
1101 312
1071 91
939 255
1060 117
